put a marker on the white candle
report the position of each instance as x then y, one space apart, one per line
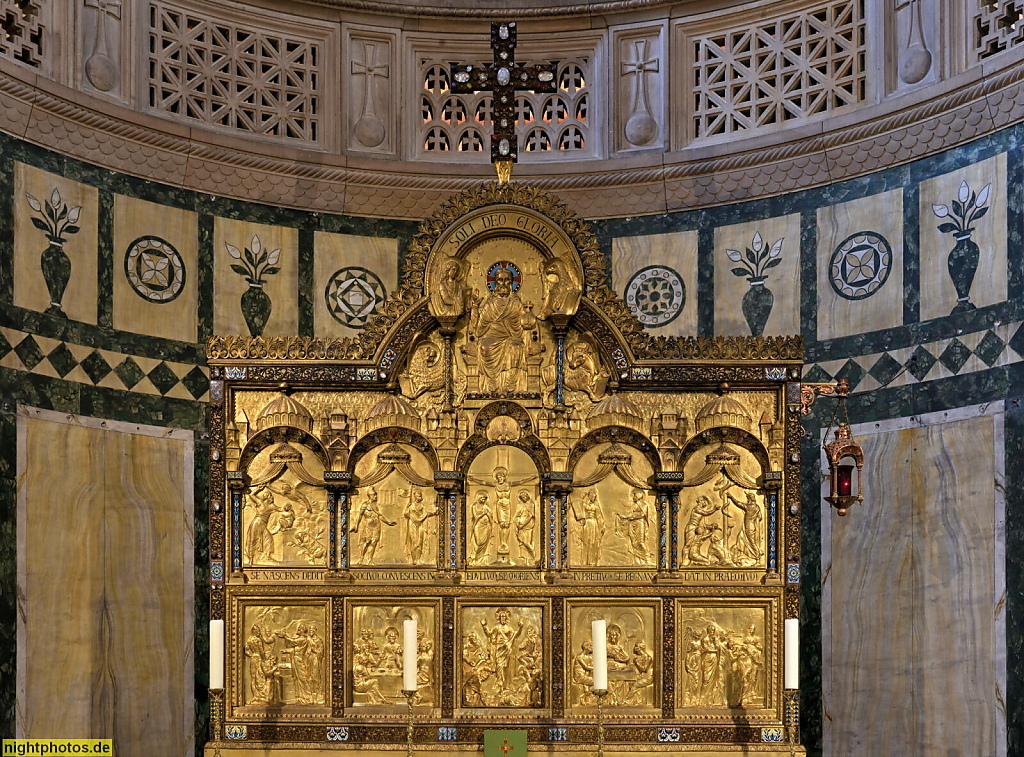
791 668
409 656
216 654
599 639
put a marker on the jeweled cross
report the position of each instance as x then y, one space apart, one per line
504 78
506 748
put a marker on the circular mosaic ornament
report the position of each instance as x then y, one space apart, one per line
492 273
656 295
353 294
860 265
154 269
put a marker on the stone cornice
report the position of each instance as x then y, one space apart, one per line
857 143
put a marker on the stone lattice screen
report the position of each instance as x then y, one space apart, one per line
228 74
997 25
556 123
787 68
22 31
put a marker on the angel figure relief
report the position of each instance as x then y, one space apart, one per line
449 295
562 291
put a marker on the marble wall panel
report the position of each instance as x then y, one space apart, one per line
657 276
939 294
351 276
238 309
105 586
741 307
156 255
78 299
910 576
860 265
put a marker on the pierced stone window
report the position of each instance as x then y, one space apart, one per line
780 70
22 31
221 73
998 26
544 123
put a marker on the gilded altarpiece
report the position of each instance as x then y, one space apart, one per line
504 456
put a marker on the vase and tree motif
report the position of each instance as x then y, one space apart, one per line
754 264
255 264
57 220
962 261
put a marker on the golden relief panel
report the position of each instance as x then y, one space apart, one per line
722 512
503 657
284 655
376 653
632 653
723 658
284 516
612 521
503 510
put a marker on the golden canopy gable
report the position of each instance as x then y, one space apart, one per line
504 455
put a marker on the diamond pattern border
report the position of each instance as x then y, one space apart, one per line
998 345
86 365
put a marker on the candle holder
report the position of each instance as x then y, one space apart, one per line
216 714
600 694
409 695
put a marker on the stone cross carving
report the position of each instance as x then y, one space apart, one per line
504 77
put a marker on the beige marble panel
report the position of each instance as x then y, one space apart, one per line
376 256
175 318
882 308
677 251
229 286
910 599
30 291
783 280
938 295
105 583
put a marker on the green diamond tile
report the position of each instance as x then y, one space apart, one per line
29 352
95 367
129 373
852 372
62 360
196 382
885 369
920 362
163 378
817 375
955 355
990 348
1017 341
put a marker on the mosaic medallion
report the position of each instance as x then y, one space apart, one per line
353 294
492 273
860 265
154 269
656 295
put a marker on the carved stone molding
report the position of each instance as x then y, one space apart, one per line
860 143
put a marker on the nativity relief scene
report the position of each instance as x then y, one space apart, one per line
429 521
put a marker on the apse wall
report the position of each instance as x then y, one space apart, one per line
907 281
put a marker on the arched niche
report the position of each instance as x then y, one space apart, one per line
284 516
393 514
502 514
612 518
722 505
